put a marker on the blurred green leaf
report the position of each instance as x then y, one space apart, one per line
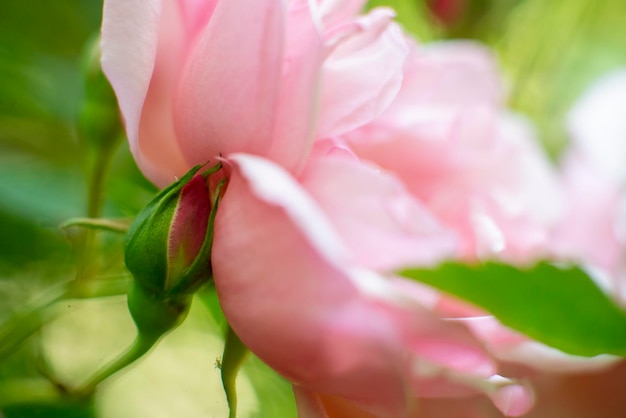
40 87
561 307
64 409
40 191
275 394
552 50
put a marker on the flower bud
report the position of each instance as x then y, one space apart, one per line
169 244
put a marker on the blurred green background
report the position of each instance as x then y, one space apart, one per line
49 161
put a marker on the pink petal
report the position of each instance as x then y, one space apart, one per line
129 47
294 129
513 400
381 222
137 39
158 154
481 173
229 90
196 14
440 81
285 299
363 73
334 12
144 48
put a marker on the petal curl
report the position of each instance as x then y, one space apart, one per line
363 73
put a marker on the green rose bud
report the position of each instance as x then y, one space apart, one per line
168 251
168 245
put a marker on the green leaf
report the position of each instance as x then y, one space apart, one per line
559 306
585 41
61 409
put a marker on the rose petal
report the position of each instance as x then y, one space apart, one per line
298 104
383 224
513 400
227 97
140 52
196 14
442 80
129 47
363 73
334 12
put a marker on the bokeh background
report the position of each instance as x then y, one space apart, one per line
63 155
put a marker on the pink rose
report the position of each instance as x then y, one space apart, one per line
302 272
473 164
333 194
199 79
481 172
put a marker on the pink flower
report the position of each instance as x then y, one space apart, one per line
480 171
473 164
346 163
302 272
199 79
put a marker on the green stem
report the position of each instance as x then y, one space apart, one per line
154 317
16 391
141 345
235 352
25 323
98 177
95 198
112 225
104 287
